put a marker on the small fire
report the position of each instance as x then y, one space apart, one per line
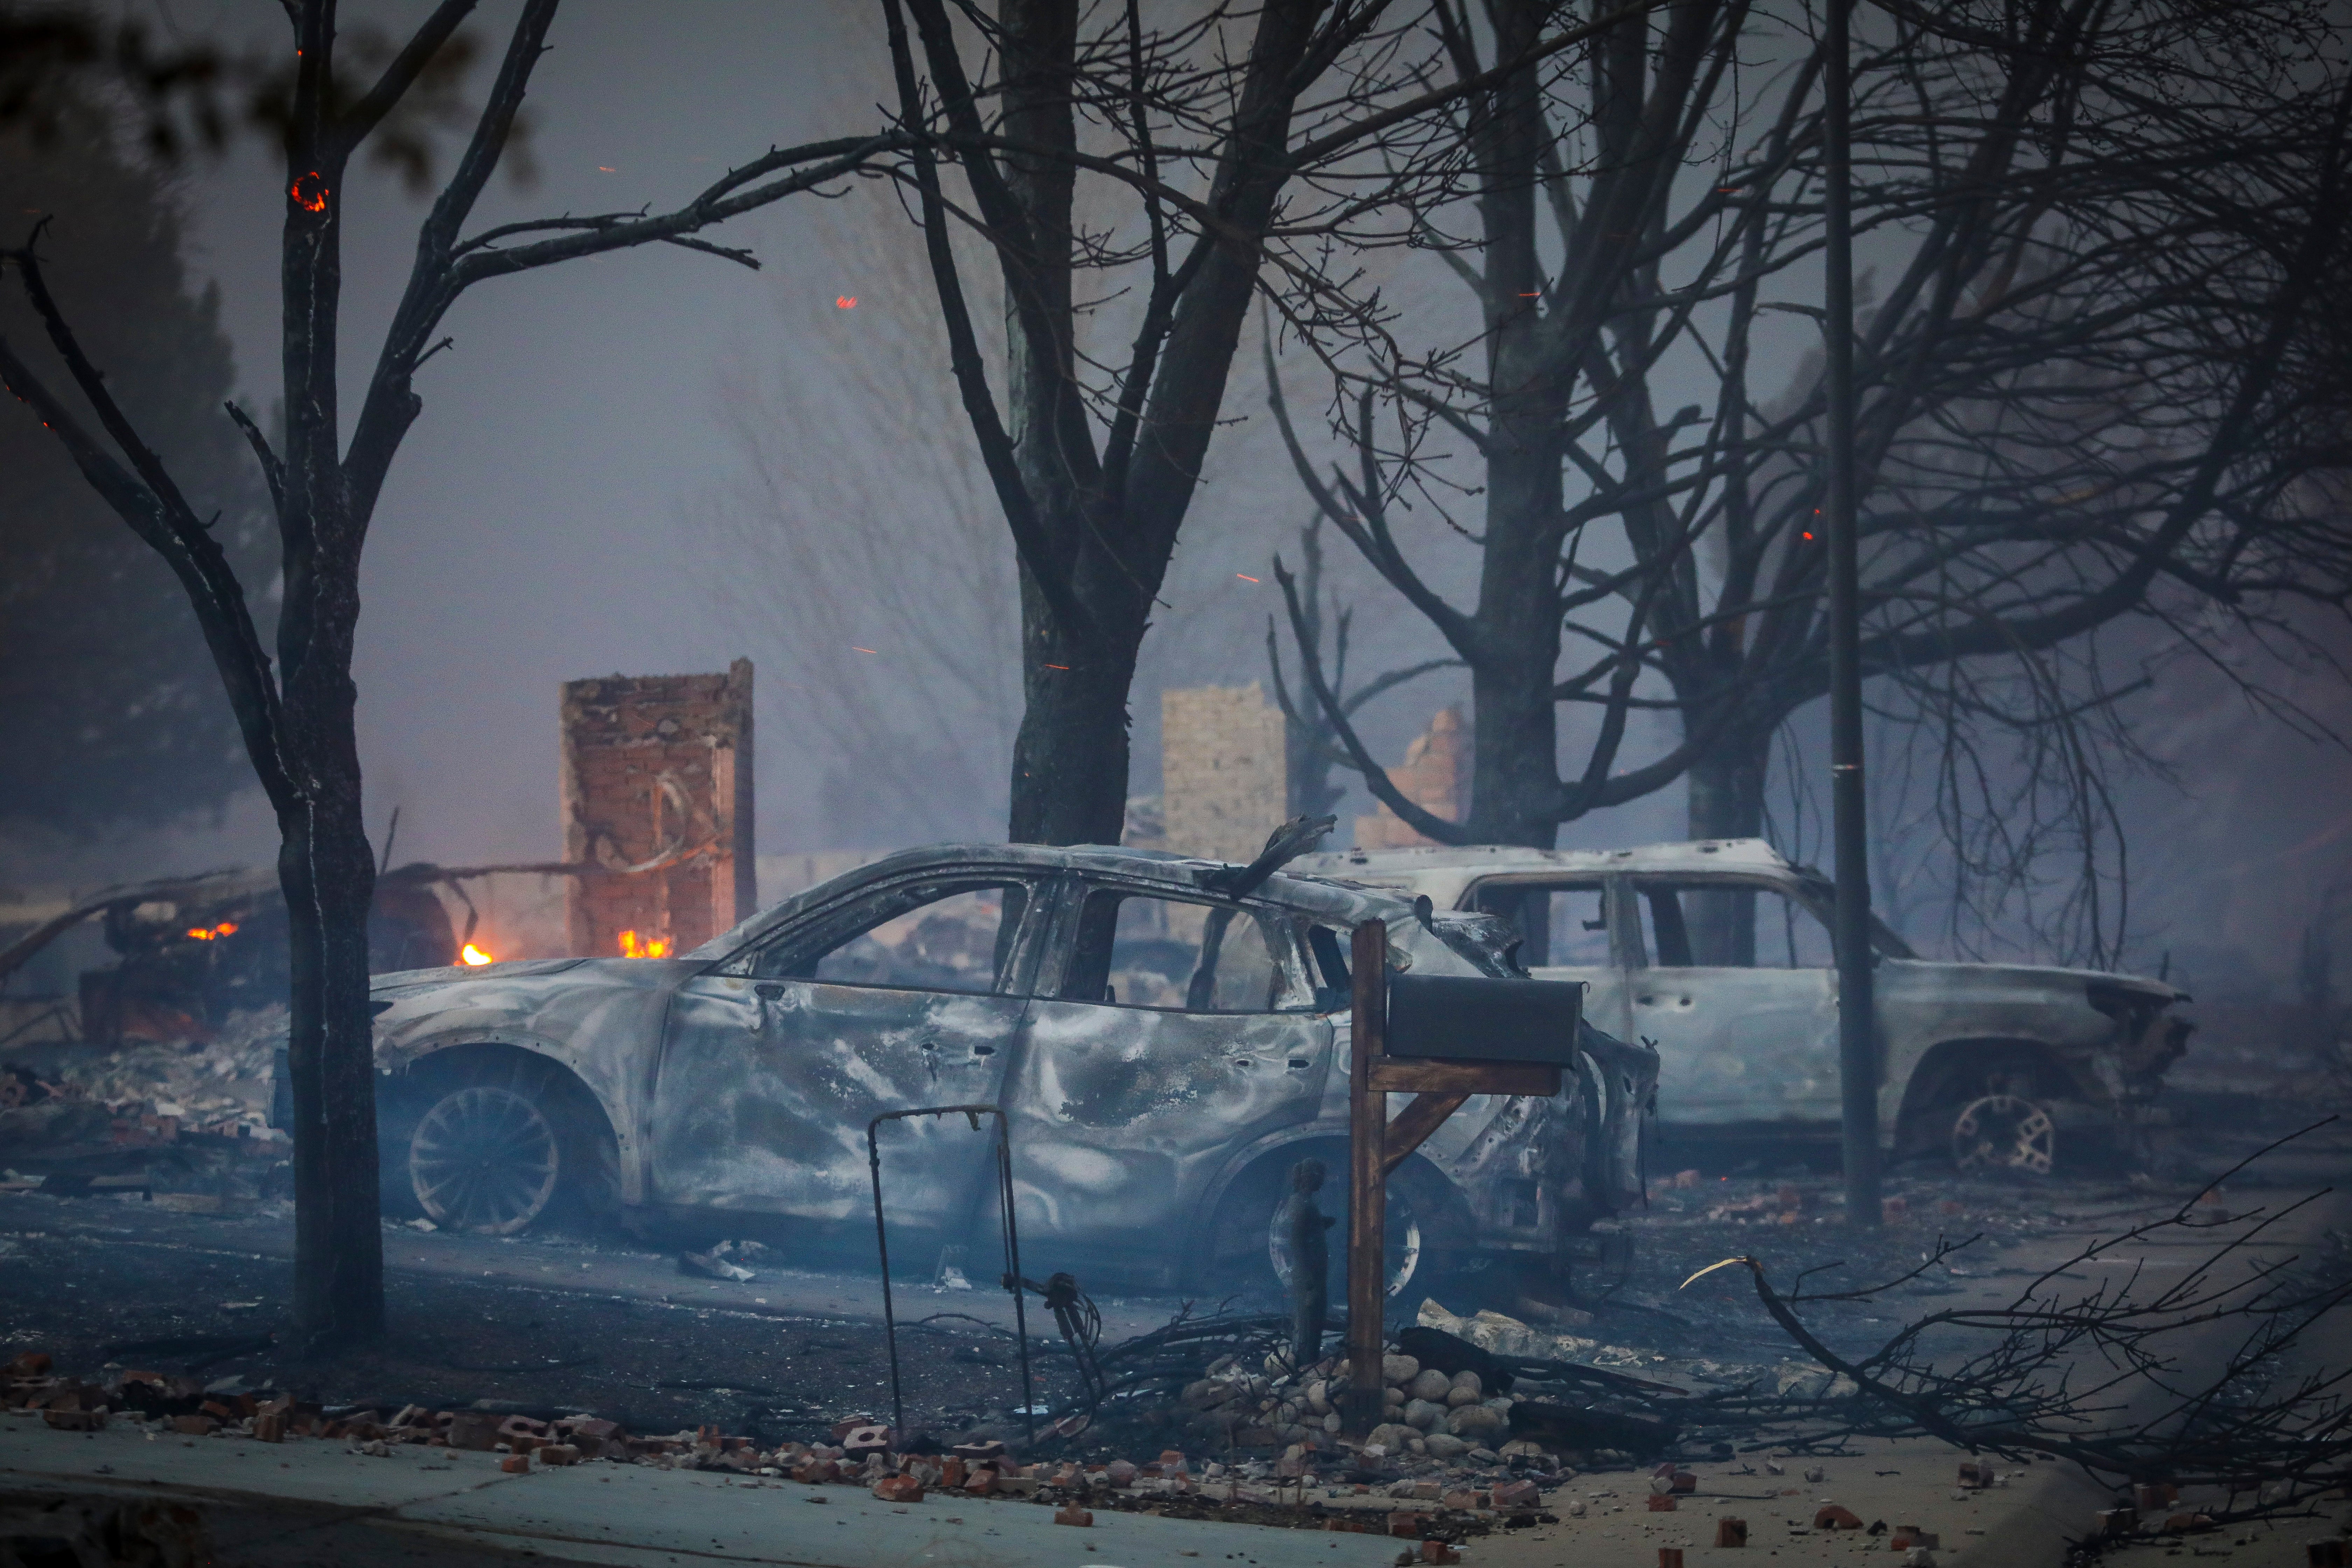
473 957
651 947
310 192
844 301
212 933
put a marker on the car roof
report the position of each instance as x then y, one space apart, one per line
1345 902
1753 855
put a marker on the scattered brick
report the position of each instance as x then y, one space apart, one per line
899 1489
1731 1532
1518 1494
1836 1516
516 1464
1071 1513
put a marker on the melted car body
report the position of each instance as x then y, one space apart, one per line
1164 1053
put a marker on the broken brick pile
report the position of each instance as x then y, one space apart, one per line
140 1093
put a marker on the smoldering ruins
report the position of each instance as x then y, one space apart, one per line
1368 780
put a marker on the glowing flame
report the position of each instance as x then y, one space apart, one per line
844 301
212 933
473 957
651 947
310 192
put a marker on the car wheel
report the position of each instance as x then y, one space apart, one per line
484 1158
2004 1133
1251 1241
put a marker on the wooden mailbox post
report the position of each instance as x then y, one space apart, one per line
1377 1145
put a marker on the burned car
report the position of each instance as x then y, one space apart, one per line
173 959
1718 954
1167 1038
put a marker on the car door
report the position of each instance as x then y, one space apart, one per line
1168 1033
903 995
1567 930
1733 983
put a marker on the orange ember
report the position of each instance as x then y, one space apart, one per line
844 301
212 933
473 957
310 192
651 947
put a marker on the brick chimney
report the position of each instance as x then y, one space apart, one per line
657 791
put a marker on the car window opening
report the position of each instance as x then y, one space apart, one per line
1143 952
921 936
1719 925
1560 924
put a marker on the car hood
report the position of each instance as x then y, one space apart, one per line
2048 977
405 983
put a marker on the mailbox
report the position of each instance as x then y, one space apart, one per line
1449 1017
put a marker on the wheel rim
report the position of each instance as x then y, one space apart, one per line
2003 1132
1403 1251
484 1160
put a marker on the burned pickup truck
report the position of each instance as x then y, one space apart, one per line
1167 1038
1717 951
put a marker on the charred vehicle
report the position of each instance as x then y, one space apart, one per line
1167 1038
181 954
1718 954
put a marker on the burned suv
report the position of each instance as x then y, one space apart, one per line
1717 953
1167 1038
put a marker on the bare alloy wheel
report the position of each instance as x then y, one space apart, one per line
484 1159
2004 1133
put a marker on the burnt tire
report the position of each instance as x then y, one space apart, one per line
501 1145
1249 1250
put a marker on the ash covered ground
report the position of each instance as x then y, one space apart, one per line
94 1275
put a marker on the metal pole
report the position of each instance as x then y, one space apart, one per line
1012 1264
882 1245
1857 1039
1368 1194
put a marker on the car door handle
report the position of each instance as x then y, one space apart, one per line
769 991
983 1050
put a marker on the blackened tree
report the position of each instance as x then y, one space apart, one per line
1173 172
294 713
2094 382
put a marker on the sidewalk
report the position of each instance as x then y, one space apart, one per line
631 1516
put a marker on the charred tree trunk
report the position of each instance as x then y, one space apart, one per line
1515 740
1727 801
327 871
1070 758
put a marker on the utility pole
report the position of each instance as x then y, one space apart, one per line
1857 1036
